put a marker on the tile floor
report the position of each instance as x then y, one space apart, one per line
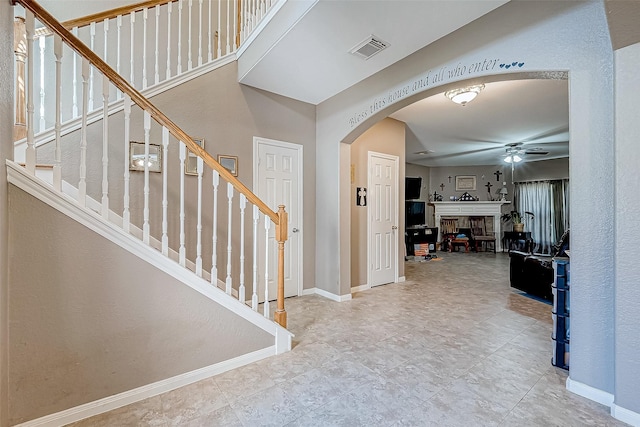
451 346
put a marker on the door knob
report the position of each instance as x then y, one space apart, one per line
395 227
295 230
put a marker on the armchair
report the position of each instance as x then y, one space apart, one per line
533 274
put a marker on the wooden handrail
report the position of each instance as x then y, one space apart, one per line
48 20
112 13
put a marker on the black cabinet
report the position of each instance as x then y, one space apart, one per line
561 312
518 240
415 235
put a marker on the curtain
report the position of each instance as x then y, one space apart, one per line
549 203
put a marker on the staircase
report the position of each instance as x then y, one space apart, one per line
92 146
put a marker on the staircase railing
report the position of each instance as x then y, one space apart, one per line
176 231
151 43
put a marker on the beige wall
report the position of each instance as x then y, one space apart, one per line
6 152
386 137
89 320
228 116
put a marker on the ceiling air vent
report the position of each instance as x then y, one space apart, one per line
369 47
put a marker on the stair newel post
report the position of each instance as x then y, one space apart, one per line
280 315
105 146
82 184
126 215
179 69
229 280
92 42
189 37
267 228
145 15
145 224
200 169
241 288
254 297
182 251
132 45
156 76
165 202
169 7
57 171
214 238
200 32
31 146
20 51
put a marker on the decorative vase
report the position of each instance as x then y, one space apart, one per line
518 228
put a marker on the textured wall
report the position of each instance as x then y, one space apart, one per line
543 36
385 137
89 320
627 234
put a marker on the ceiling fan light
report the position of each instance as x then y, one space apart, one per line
508 159
464 95
517 158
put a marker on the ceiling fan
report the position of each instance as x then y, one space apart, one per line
515 152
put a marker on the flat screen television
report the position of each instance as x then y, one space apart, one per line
412 187
414 214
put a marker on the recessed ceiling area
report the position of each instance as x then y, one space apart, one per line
532 112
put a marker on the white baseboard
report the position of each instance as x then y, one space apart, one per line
625 415
333 297
128 397
402 279
360 288
591 393
310 291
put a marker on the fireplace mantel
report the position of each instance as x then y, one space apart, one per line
460 208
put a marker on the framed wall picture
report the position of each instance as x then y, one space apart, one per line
230 163
136 157
465 182
191 162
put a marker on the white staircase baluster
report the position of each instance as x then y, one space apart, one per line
92 29
254 297
31 146
209 37
145 224
214 246
144 47
200 33
190 37
41 45
82 184
57 171
182 252
267 227
229 26
74 84
157 54
169 7
179 70
229 281
105 44
132 46
235 25
118 50
126 215
165 202
241 288
219 31
200 166
105 146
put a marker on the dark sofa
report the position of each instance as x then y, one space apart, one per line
533 274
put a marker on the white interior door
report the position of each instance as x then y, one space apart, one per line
383 214
278 181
